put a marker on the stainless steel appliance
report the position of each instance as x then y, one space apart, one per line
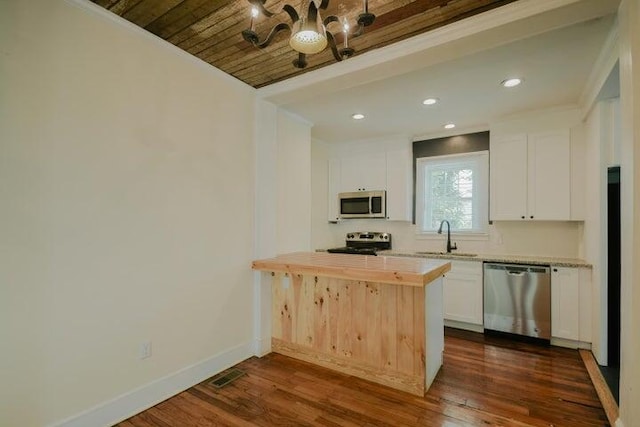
364 243
363 204
517 299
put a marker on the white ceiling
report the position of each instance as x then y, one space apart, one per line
555 66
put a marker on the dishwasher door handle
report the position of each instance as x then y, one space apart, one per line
515 273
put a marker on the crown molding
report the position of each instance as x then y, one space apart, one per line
607 59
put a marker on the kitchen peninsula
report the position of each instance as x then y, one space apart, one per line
375 317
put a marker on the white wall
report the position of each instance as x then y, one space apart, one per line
599 140
321 231
126 186
283 201
544 238
294 184
629 18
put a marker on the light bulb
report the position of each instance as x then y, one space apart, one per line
345 25
254 14
511 82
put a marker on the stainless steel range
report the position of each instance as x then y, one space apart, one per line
364 243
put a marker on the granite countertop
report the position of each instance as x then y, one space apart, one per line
515 259
385 269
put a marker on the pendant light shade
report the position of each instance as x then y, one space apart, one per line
308 37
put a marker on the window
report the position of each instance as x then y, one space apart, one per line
454 188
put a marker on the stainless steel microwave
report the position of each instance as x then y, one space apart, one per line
363 204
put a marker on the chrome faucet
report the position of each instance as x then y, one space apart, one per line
450 247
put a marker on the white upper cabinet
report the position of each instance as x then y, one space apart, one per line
531 176
333 209
508 177
370 169
364 172
399 195
549 175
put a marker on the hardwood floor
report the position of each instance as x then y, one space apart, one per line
484 381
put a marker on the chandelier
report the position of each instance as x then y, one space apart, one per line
309 33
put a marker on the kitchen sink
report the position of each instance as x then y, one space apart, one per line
453 254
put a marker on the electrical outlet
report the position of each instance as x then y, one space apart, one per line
145 350
285 282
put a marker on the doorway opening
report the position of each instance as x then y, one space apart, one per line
611 373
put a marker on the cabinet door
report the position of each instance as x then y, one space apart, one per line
585 305
508 176
333 188
399 194
565 303
364 172
549 162
463 292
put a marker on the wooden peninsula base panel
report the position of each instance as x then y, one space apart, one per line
388 329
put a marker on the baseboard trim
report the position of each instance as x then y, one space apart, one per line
602 389
126 405
566 343
261 347
464 325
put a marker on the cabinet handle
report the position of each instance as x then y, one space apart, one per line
531 217
555 270
522 216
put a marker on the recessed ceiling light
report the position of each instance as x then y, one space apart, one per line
358 116
430 101
449 126
511 82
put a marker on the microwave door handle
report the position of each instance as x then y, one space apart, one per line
370 205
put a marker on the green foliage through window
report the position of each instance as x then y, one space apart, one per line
453 188
451 198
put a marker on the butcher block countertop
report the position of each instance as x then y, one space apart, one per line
383 269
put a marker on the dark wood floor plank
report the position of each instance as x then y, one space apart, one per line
484 381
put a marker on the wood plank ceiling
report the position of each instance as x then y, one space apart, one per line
211 29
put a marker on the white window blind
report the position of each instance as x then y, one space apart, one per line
454 188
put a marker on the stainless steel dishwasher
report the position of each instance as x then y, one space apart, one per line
517 299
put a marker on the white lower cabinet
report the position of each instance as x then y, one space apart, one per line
463 292
571 303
